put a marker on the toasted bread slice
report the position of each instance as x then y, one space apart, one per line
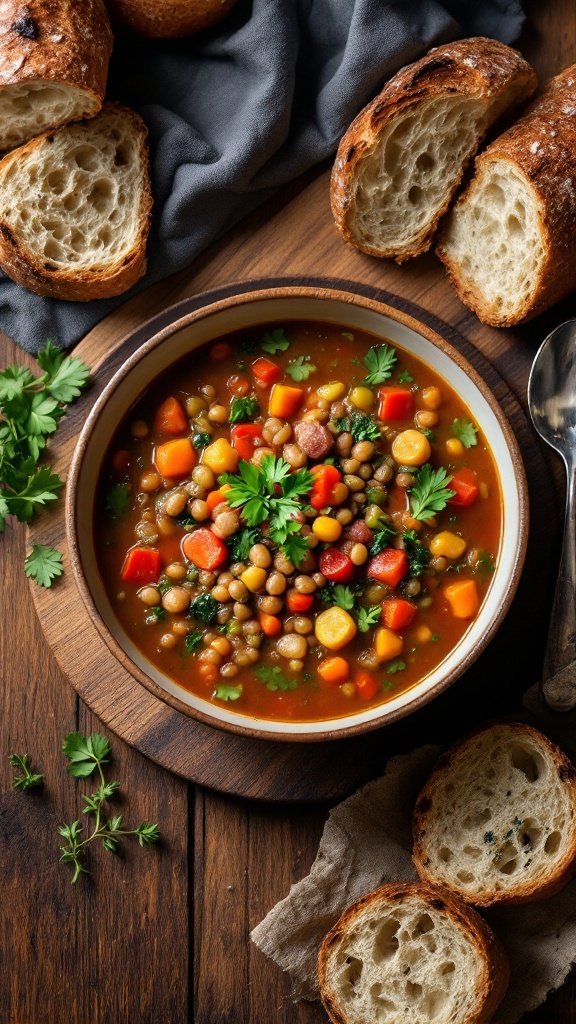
496 821
411 952
75 208
53 65
399 164
509 244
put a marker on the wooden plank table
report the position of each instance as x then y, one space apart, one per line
161 936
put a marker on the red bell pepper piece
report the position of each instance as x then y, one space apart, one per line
397 613
335 565
325 480
204 549
464 483
141 565
244 437
390 566
297 603
265 371
395 403
170 417
366 685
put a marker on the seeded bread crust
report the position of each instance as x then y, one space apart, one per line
169 19
99 277
54 42
491 804
403 899
541 149
481 69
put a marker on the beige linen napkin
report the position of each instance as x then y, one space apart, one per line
366 842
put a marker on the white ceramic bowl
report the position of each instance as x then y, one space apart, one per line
352 313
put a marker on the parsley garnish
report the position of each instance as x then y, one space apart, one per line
203 608
465 431
382 537
240 543
154 615
275 679
300 368
223 692
418 554
395 666
361 426
43 565
274 341
367 617
430 494
243 409
117 500
485 564
201 440
379 360
343 597
336 593
26 779
404 377
192 641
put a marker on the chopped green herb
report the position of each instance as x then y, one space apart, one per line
244 409
361 426
249 346
203 608
404 377
201 440
348 335
275 679
26 779
163 585
223 692
379 360
239 544
117 500
485 565
465 431
343 597
192 642
43 565
383 535
367 617
429 435
241 365
395 666
300 368
418 554
274 341
435 638
154 615
430 494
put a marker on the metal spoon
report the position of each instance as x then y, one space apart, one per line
552 401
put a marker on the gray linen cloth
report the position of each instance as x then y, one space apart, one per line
237 112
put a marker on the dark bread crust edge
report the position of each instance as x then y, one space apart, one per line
495 967
541 146
169 19
25 269
477 67
565 868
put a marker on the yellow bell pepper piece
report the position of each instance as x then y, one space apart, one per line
388 644
335 628
362 398
447 545
332 391
326 529
254 578
221 457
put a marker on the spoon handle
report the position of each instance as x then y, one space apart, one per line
559 673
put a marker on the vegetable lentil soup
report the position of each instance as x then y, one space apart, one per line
298 521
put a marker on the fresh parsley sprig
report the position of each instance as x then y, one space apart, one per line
418 554
300 368
274 678
243 410
430 494
379 360
274 341
465 431
361 426
43 564
26 779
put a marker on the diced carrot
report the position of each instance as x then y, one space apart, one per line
141 565
325 480
463 599
466 487
265 371
336 565
335 628
170 417
220 351
214 498
244 437
390 566
395 403
175 458
388 644
334 670
366 685
204 549
296 602
270 625
284 401
397 613
121 462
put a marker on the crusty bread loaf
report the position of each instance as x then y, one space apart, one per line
53 65
75 208
402 159
411 952
496 821
168 19
509 245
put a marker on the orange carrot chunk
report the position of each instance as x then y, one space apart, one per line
366 685
334 670
265 371
175 458
397 613
390 566
284 401
463 599
204 549
270 625
141 565
218 497
170 417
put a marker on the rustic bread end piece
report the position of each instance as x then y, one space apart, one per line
53 65
509 244
75 208
496 821
169 19
411 952
402 159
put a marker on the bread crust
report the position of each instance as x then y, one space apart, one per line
169 19
478 68
56 41
541 146
25 269
495 967
564 869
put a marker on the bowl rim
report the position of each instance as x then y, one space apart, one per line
253 297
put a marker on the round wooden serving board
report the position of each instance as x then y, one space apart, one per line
263 769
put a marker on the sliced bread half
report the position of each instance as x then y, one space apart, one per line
402 159
496 821
509 244
53 65
411 952
75 208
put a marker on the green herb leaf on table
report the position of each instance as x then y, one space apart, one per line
465 431
243 410
65 375
193 642
430 494
379 360
368 617
418 554
300 368
275 679
85 753
274 341
405 377
224 692
43 565
26 779
117 500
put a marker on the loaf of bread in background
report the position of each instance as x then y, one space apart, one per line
400 162
411 952
75 208
53 65
496 821
509 244
168 19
